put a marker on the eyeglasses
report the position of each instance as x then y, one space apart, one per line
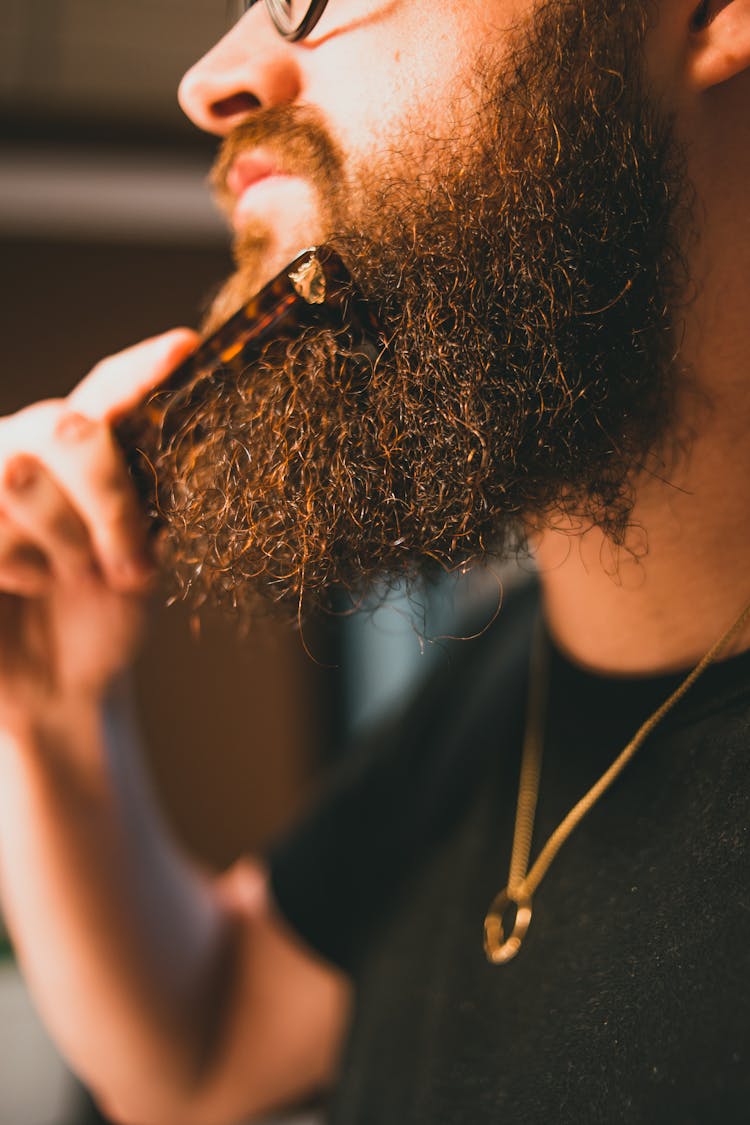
294 19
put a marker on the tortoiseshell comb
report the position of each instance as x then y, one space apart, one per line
315 289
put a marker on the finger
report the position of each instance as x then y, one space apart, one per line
119 383
73 442
82 459
87 465
43 517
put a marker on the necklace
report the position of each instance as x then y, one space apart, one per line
522 884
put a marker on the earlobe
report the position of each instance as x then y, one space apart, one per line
719 42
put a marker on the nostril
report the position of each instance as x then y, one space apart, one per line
234 105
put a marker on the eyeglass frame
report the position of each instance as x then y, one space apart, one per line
281 20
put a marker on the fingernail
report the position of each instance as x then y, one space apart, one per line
74 427
21 474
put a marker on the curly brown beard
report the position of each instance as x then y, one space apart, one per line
526 282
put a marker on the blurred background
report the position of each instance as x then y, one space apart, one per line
108 235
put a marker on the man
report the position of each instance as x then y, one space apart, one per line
546 203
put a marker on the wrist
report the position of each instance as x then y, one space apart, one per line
60 731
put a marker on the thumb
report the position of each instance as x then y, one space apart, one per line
120 382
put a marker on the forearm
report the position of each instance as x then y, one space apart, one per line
124 944
179 999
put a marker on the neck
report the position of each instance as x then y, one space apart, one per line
658 604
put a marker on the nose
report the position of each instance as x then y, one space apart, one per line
252 67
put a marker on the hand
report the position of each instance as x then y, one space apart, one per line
74 559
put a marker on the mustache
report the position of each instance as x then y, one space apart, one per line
299 143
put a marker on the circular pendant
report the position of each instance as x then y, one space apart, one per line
498 948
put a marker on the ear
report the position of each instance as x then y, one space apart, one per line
720 41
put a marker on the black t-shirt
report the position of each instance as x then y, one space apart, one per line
630 999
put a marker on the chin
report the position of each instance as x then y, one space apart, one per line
260 254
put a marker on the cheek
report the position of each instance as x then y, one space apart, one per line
377 82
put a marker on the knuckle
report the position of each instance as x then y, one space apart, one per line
72 427
22 474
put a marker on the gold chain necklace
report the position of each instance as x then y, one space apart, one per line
522 884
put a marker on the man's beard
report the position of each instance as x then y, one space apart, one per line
525 275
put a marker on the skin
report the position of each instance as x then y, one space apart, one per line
181 996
